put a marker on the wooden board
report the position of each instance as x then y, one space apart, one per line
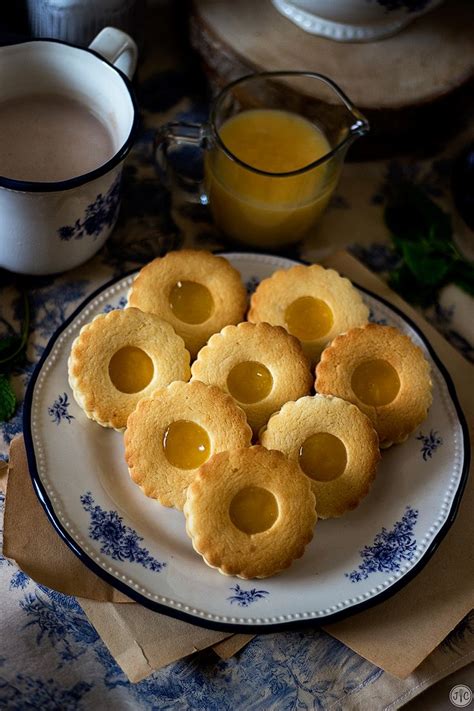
396 81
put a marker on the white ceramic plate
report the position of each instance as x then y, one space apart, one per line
142 548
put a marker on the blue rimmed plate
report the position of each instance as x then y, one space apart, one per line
140 547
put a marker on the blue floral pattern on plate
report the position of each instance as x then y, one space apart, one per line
430 443
389 549
121 304
251 284
59 410
373 318
119 541
244 598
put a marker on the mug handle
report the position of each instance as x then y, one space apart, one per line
118 48
174 135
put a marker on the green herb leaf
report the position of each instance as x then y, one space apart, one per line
7 399
422 234
427 266
405 283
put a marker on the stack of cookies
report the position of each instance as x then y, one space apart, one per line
220 416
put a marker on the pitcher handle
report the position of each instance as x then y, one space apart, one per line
178 134
118 48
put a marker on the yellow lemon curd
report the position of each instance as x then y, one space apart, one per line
253 510
186 444
249 382
130 369
323 456
375 382
308 318
191 302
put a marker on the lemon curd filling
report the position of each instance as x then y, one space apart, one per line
375 382
253 510
249 382
130 369
308 318
186 445
191 302
323 457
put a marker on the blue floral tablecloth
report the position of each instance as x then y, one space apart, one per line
50 655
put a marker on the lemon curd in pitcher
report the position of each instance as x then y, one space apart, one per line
267 210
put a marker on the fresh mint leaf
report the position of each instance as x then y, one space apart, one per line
422 234
405 283
7 399
427 266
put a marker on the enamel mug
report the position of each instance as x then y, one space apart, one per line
52 227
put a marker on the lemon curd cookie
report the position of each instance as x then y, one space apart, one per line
171 435
121 357
260 365
333 443
381 371
195 291
312 303
250 512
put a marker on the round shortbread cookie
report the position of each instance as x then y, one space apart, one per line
250 512
384 373
313 304
260 365
170 435
197 292
121 357
333 443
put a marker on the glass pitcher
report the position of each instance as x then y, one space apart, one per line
274 147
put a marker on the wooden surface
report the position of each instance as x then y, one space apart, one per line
427 59
417 80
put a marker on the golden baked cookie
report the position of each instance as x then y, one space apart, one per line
261 366
312 303
334 444
381 371
170 435
250 512
197 292
121 357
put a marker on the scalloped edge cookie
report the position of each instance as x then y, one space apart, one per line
99 340
270 345
207 406
274 294
288 429
151 287
233 552
397 420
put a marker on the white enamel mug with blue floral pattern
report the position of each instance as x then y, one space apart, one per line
51 227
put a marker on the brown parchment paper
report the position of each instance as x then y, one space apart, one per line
399 633
396 635
37 549
140 640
